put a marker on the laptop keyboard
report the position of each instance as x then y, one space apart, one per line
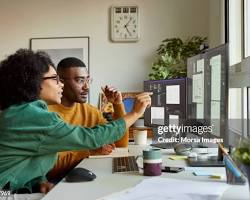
125 164
164 145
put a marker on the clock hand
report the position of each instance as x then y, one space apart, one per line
128 30
128 21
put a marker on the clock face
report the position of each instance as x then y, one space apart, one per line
124 24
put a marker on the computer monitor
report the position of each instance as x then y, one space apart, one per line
208 91
200 99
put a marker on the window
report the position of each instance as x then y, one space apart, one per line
235 21
247 28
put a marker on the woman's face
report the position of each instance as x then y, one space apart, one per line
52 88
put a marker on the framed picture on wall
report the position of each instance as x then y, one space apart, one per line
62 47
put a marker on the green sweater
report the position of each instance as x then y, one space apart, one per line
31 136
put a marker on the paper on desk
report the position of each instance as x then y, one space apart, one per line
34 196
166 188
117 152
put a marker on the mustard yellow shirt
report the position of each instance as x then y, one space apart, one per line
86 115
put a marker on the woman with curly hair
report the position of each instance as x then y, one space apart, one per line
30 135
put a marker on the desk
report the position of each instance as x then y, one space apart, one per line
108 183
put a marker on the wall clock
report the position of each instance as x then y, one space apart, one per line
125 23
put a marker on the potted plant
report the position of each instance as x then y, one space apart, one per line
172 54
242 155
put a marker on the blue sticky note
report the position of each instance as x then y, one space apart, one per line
202 173
231 166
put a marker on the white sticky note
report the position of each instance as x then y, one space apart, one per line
215 117
200 111
200 65
198 88
157 115
215 63
174 120
173 94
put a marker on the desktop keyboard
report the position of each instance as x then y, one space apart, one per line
125 164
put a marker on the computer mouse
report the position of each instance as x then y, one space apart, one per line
192 155
80 175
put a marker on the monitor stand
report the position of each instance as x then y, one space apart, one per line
214 162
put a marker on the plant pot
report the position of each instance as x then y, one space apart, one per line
246 169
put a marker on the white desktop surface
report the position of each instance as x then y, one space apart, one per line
107 183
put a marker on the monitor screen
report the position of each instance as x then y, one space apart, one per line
168 102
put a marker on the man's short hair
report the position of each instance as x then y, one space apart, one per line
70 62
21 76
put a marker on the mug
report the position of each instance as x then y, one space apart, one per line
140 137
152 162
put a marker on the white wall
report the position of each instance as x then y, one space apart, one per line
124 65
216 23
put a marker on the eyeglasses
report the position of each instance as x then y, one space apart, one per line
56 78
81 80
84 80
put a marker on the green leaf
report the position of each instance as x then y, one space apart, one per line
172 54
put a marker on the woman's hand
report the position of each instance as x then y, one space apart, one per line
142 101
46 186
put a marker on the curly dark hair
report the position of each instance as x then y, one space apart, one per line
21 76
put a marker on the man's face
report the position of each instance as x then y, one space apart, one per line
76 84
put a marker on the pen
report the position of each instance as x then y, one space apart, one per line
222 149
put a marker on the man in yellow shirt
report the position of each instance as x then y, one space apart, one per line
74 109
